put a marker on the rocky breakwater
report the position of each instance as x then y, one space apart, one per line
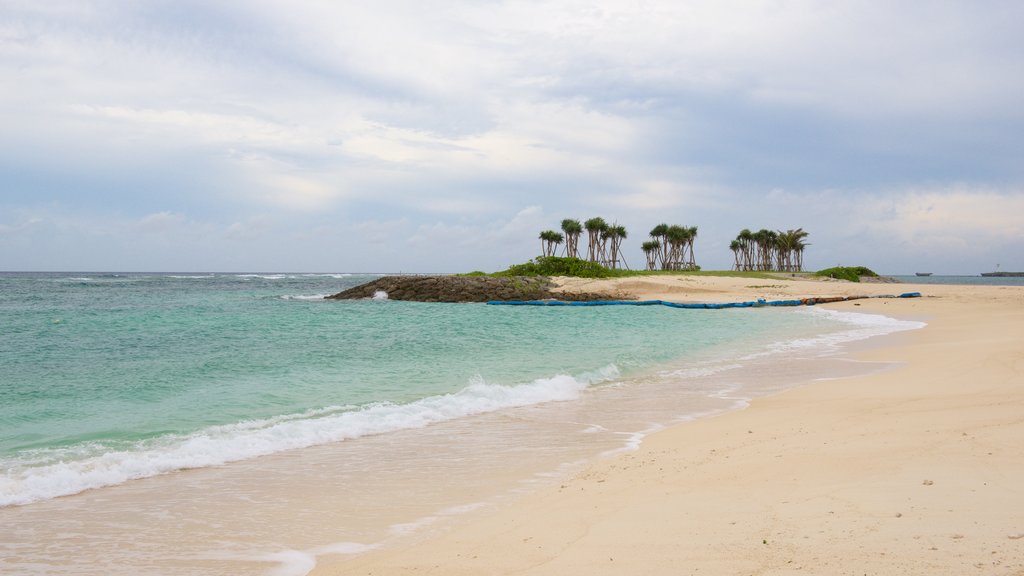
466 289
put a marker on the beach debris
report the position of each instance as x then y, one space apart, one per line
927 483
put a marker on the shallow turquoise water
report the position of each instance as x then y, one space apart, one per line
216 425
106 378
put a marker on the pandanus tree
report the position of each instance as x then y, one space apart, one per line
675 247
658 234
596 228
549 241
678 239
652 249
572 229
747 249
691 236
737 247
767 250
614 235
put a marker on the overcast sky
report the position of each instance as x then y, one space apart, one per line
444 136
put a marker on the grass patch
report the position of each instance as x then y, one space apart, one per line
851 273
578 268
556 266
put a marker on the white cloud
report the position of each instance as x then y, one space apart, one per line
160 222
957 219
381 233
440 120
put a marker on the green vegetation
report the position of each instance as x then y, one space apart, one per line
671 247
769 250
528 288
670 250
549 240
557 266
572 229
579 268
851 273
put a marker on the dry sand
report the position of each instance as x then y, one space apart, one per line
915 470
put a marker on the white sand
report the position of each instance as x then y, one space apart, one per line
914 470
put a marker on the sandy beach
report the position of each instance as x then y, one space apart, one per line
916 469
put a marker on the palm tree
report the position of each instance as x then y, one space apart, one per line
784 242
596 227
790 246
800 245
658 234
572 229
736 246
676 236
651 249
765 240
549 240
691 235
615 234
746 239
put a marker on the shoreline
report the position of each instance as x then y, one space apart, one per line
908 470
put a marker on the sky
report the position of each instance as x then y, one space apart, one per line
444 136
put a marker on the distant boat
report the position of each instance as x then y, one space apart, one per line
922 273
1000 274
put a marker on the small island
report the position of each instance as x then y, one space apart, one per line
469 289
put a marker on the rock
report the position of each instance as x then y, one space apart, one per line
466 289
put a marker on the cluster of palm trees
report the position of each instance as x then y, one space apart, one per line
604 241
671 247
769 250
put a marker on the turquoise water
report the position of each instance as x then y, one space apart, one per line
228 424
112 377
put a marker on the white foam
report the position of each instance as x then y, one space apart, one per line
304 297
290 563
325 275
51 473
380 295
861 327
633 440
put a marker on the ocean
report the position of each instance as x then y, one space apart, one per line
976 280
240 424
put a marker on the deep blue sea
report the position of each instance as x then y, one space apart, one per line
113 386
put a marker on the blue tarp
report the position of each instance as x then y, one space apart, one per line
690 306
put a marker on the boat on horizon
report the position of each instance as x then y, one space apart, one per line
1003 274
1000 274
922 273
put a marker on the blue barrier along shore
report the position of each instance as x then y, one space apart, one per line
704 306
